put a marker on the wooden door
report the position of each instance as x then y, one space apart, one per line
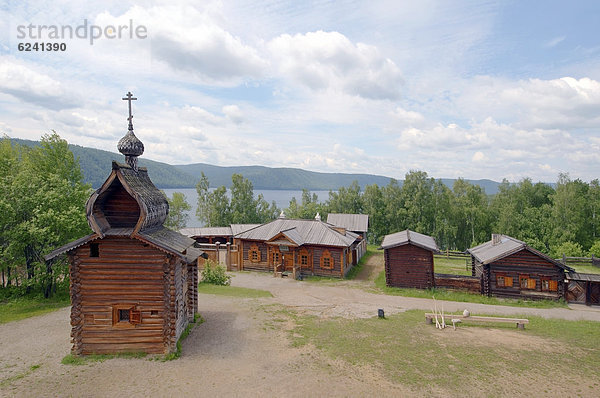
288 260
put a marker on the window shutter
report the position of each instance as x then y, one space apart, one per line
530 283
553 285
508 281
135 316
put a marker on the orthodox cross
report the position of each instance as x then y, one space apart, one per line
130 98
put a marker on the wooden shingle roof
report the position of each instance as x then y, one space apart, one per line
409 237
503 246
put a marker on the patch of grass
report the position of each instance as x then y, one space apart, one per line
24 307
585 269
451 295
19 376
232 291
175 355
451 265
407 351
71 359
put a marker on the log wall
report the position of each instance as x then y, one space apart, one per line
409 266
458 282
523 263
127 273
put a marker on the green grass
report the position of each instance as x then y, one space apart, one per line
71 359
175 355
24 307
427 360
451 265
451 295
232 291
586 269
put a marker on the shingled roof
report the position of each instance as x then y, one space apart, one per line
407 236
300 232
352 222
502 246
128 204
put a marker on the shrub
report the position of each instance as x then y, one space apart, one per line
569 249
215 274
595 249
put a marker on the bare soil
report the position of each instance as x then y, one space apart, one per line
242 348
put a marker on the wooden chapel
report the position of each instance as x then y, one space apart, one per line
134 283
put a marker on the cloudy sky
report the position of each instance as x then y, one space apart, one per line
472 89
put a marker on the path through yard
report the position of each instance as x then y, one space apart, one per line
242 348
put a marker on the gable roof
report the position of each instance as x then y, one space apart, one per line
312 232
231 230
489 252
161 238
407 236
352 222
153 205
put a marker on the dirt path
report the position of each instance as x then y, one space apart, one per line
242 348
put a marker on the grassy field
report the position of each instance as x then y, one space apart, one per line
451 265
232 291
25 307
473 360
586 269
450 295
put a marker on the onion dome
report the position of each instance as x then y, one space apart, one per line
130 145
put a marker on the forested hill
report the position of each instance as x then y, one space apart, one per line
96 165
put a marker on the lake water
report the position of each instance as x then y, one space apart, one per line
281 197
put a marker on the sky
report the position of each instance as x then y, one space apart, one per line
472 89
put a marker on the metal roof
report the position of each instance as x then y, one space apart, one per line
583 277
352 222
405 237
489 252
294 236
308 231
206 231
239 228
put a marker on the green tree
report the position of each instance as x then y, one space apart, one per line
345 200
470 214
243 205
178 208
570 212
374 206
48 210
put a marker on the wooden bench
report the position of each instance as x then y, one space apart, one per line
518 321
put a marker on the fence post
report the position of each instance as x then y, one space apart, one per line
564 259
228 257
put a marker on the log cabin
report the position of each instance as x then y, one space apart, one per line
134 283
312 246
510 268
408 257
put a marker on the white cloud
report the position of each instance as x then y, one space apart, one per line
330 61
233 113
555 41
23 82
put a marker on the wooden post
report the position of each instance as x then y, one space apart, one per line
228 257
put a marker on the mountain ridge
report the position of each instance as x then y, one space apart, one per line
96 164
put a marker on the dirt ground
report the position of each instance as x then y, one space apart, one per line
237 351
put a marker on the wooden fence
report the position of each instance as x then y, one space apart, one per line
595 261
453 253
224 254
458 282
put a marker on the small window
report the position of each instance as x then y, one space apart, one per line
94 250
126 315
254 254
525 282
304 259
504 281
549 285
327 260
275 257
